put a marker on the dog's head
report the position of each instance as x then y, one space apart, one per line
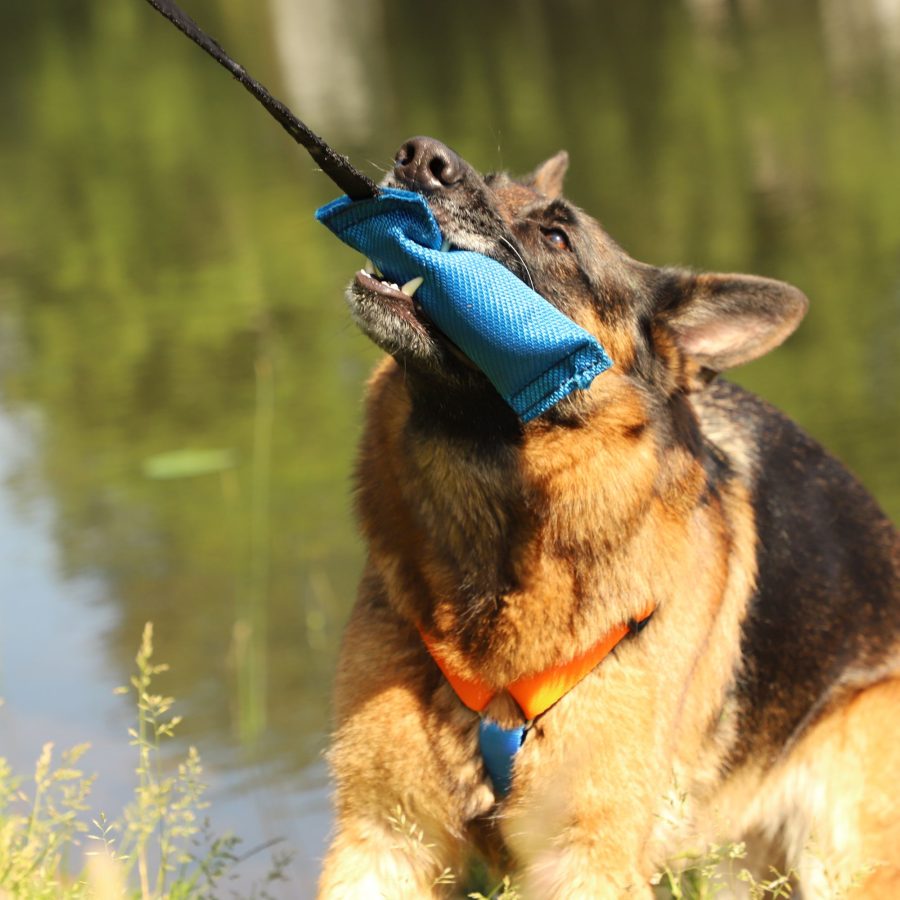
667 330
465 508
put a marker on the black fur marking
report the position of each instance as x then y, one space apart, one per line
825 614
471 412
685 429
559 211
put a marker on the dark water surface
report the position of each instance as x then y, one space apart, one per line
179 380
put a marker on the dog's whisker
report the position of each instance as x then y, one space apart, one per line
509 244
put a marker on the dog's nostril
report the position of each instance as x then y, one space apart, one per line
440 168
427 164
405 154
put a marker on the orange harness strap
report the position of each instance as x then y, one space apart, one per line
536 693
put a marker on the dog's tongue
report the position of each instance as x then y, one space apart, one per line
532 354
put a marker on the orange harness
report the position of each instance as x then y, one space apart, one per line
535 694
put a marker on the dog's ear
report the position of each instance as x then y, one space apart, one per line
721 321
548 177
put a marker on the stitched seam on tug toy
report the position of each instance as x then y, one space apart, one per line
532 353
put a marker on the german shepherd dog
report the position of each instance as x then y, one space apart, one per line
760 702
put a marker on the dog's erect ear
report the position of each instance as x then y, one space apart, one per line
548 177
721 321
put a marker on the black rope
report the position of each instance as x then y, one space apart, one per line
338 168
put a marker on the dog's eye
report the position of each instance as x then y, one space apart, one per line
557 238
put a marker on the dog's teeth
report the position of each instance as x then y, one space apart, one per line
412 285
371 269
445 245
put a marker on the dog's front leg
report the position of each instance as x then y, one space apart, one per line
374 858
405 763
589 782
576 872
579 853
583 858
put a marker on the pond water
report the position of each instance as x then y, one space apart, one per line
179 380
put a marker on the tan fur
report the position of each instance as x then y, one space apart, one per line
836 792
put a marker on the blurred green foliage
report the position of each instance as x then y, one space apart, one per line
164 289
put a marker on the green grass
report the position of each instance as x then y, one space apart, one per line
52 845
708 874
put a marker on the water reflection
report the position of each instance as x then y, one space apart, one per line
341 38
164 290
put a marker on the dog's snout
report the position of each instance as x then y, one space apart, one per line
427 164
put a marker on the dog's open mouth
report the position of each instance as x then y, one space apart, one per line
390 315
399 300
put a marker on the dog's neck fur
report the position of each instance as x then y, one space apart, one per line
501 533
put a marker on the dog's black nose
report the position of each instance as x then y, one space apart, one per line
428 164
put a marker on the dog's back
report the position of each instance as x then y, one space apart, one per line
814 757
824 619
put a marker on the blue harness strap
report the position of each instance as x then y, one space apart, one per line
499 747
532 353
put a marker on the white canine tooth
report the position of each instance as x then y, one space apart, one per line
371 269
445 245
412 285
